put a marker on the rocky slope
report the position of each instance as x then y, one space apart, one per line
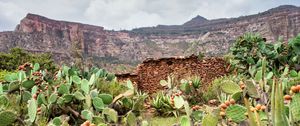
69 41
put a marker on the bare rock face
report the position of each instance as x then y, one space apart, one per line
68 40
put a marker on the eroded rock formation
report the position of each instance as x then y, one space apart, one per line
68 40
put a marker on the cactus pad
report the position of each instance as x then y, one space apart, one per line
131 119
41 99
67 98
52 98
251 89
57 121
111 113
87 114
106 98
28 84
32 109
85 86
63 89
178 101
79 96
98 103
7 118
76 79
210 120
295 109
230 87
4 100
236 113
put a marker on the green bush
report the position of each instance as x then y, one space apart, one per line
16 57
3 73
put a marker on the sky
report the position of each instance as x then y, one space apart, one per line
129 14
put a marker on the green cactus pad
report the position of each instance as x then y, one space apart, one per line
36 66
178 101
57 121
236 113
251 89
11 77
79 96
28 84
32 109
230 87
67 98
60 101
63 89
94 93
210 120
85 86
26 96
131 119
98 119
92 79
111 113
7 118
293 73
106 98
76 79
98 103
4 100
185 121
110 77
87 114
237 96
52 98
295 109
41 99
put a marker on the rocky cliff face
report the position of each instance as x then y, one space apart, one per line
68 40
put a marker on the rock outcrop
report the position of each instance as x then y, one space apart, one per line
69 41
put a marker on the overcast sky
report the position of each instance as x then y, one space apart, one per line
128 14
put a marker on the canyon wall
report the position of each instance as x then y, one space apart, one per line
68 40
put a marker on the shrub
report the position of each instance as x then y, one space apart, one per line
10 61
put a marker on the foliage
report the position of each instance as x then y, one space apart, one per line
70 97
249 49
10 61
3 73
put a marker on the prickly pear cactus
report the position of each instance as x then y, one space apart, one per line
3 100
131 119
98 103
230 87
7 118
79 96
178 102
111 113
210 120
251 90
63 89
294 106
106 98
57 121
236 113
32 109
28 84
185 121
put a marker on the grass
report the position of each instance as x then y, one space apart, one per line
163 121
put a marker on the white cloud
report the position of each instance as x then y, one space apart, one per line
127 14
